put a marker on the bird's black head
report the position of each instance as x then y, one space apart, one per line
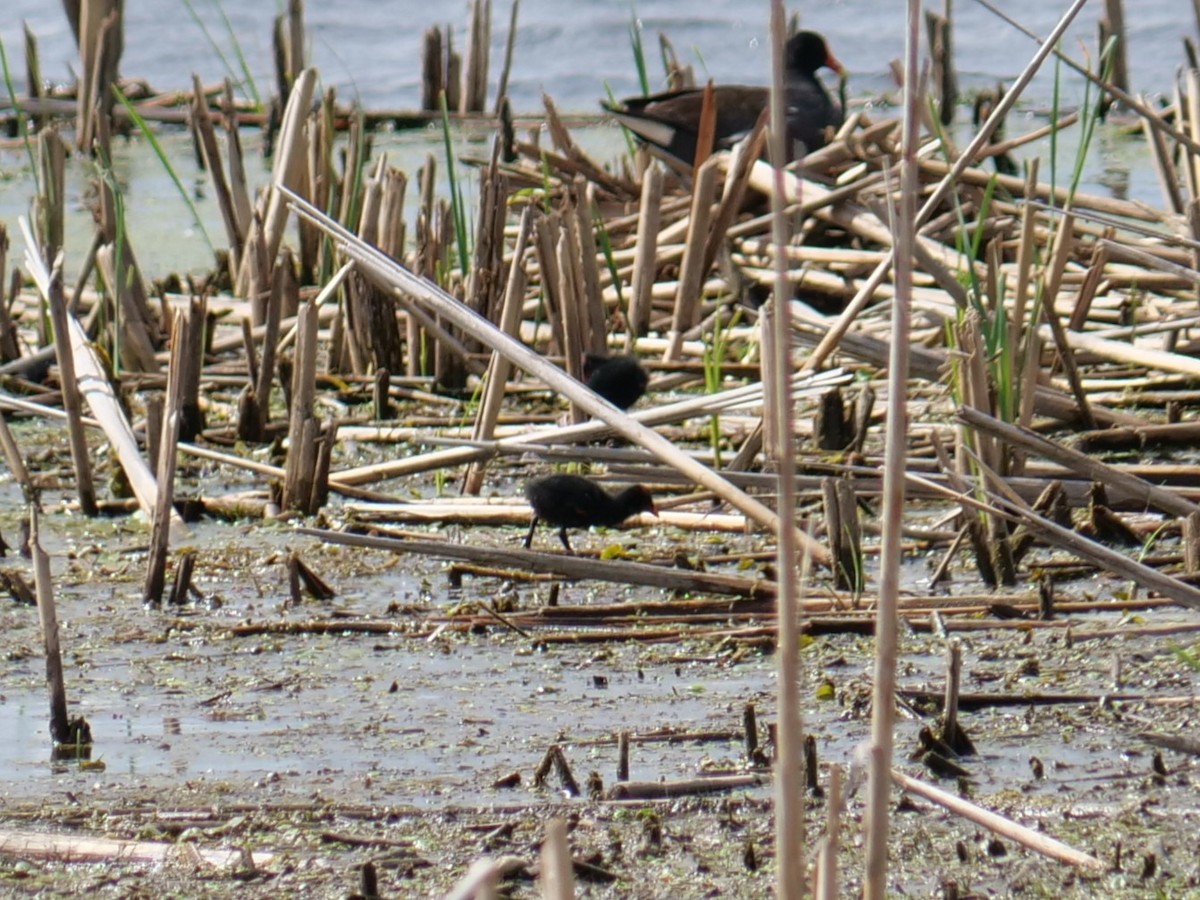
807 52
639 499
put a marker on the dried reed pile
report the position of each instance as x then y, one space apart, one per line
1045 323
1035 307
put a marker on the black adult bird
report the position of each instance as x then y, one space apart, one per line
620 380
671 121
572 501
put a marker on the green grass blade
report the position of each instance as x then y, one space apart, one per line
1054 98
1089 116
639 51
460 218
358 170
22 124
609 260
963 242
141 125
246 82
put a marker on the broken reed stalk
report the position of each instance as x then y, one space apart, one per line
547 228
750 731
1024 336
1168 175
98 393
558 877
691 276
473 95
940 30
433 68
15 461
290 170
302 482
206 137
664 790
69 384
570 310
1027 837
562 768
49 203
499 368
10 345
1191 544
238 185
505 70
54 848
1006 502
392 277
559 434
182 583
596 315
1051 281
191 410
843 532
156 557
779 422
100 40
1122 484
617 571
645 257
254 404
33 77
60 726
380 396
1112 26
883 701
1122 352
295 43
483 879
827 867
950 705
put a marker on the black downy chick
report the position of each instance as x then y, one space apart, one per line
572 501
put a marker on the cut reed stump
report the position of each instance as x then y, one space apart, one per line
310 445
156 562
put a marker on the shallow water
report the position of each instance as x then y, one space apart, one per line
371 50
427 721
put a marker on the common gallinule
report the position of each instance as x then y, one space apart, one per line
620 380
671 121
572 501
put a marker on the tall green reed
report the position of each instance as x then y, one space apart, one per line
141 125
715 348
22 121
246 81
639 50
456 198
